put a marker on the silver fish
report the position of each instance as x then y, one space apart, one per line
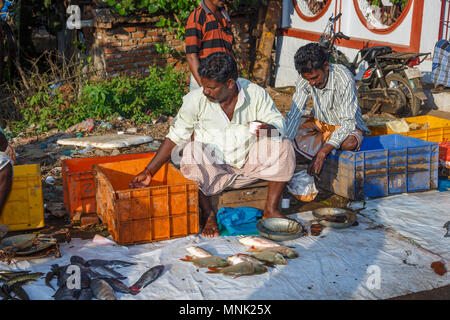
238 258
269 256
102 290
148 277
256 242
198 252
207 262
241 269
285 251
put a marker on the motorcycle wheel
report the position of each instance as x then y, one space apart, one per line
395 80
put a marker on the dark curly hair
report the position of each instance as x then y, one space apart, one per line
219 66
309 57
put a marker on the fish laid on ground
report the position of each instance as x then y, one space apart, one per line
48 277
84 294
255 242
285 251
119 286
447 226
102 290
198 252
241 269
106 272
148 277
269 256
207 262
30 276
19 292
109 263
240 257
9 272
78 260
64 293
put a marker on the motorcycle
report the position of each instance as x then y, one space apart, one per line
391 83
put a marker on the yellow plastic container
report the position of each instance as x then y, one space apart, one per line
24 209
438 131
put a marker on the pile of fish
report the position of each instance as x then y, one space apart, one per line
265 253
97 279
13 281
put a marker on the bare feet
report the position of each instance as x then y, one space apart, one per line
210 228
273 213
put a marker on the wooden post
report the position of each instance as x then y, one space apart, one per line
264 51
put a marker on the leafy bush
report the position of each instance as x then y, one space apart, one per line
137 98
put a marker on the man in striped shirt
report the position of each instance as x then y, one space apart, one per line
336 120
208 30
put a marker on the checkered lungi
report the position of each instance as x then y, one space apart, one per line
268 159
440 73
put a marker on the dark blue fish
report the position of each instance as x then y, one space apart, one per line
109 263
64 293
78 260
148 277
106 272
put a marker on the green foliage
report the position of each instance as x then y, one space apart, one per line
136 98
176 11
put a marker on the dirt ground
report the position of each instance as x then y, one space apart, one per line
44 150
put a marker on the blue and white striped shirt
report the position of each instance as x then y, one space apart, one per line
336 104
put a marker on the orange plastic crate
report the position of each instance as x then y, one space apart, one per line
438 131
78 182
167 209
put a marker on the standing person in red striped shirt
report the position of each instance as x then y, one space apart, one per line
208 30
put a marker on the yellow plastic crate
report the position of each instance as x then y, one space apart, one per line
438 131
24 209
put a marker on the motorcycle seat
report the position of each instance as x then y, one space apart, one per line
373 52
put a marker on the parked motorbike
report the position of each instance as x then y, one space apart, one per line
391 83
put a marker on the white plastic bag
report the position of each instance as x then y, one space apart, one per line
302 186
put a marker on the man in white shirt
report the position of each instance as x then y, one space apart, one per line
224 154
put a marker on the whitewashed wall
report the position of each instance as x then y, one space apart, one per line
286 74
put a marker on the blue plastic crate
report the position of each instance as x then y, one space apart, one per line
385 165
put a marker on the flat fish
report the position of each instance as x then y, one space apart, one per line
102 290
198 252
259 243
148 277
207 262
241 269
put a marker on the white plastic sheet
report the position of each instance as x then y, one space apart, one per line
339 264
417 216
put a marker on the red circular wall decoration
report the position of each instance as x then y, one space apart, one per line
393 22
318 8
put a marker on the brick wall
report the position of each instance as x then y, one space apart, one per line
123 45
